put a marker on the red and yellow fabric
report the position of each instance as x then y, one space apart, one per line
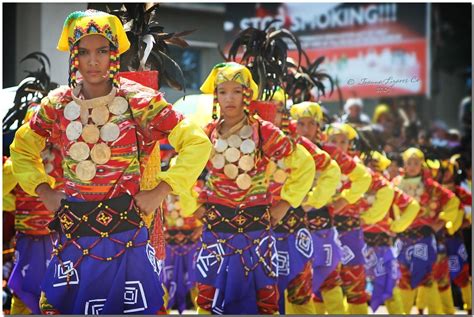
382 192
436 201
222 190
153 118
402 213
326 179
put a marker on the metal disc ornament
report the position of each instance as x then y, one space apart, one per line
244 181
218 161
90 134
234 141
85 170
100 115
231 171
118 106
221 145
232 155
100 153
79 151
248 146
246 163
109 132
72 111
73 130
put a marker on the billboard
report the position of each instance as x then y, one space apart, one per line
373 49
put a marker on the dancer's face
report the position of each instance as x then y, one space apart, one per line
230 97
308 128
94 59
341 141
413 167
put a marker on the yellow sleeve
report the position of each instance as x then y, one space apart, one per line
380 207
406 218
193 148
9 181
28 166
450 215
360 181
325 187
301 176
9 202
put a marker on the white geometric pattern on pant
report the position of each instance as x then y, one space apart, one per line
204 262
462 252
62 271
304 242
273 267
283 263
94 306
347 254
151 254
134 297
453 263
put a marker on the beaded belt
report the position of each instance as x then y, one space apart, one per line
346 223
292 221
378 239
221 218
97 218
417 233
319 219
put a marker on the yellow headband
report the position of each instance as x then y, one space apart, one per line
230 71
413 152
82 23
307 109
381 160
380 110
341 128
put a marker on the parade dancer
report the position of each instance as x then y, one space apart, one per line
439 208
33 240
328 294
452 261
382 266
294 240
374 204
237 263
106 129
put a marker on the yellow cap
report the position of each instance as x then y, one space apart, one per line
229 71
381 160
380 110
82 23
307 109
341 128
413 152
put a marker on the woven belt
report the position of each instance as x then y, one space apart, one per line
319 219
378 239
417 233
221 218
293 220
97 218
346 223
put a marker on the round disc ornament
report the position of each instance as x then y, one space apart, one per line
109 132
90 134
79 151
72 111
100 153
73 130
118 106
85 170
